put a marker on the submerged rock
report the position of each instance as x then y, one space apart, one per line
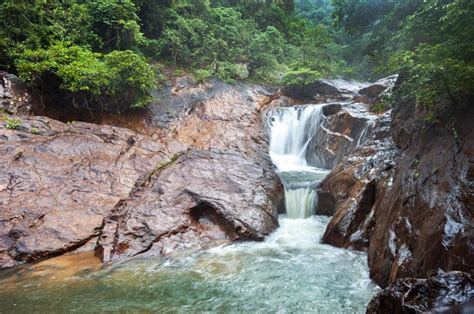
443 293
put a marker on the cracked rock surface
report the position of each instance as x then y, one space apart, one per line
204 196
58 183
80 186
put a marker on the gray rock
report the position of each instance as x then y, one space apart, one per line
14 96
442 293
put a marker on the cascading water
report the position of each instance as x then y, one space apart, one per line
291 271
291 130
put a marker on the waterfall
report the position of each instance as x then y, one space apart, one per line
291 130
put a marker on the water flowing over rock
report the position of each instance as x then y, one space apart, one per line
442 293
308 139
291 129
406 194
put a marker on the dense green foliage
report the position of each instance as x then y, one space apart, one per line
430 41
99 54
94 54
77 51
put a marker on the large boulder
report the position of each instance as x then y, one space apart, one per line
374 90
14 96
202 197
58 183
325 90
442 293
64 185
224 187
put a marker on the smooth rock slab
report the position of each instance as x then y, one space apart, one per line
204 196
59 182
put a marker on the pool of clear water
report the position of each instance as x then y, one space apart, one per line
291 271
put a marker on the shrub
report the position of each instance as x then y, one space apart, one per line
112 82
12 123
202 75
301 77
230 72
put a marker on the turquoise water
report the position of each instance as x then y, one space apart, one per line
289 272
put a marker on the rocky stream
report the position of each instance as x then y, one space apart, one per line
237 198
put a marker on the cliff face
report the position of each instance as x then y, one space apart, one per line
425 221
406 195
356 186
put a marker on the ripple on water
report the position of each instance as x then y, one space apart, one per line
289 271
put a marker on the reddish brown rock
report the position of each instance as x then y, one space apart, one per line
204 196
58 183
325 90
62 185
425 221
374 90
443 293
343 128
412 212
226 190
350 192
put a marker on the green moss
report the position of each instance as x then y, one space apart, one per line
166 163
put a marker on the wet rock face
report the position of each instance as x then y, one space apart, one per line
443 293
344 127
14 97
64 186
406 195
204 196
379 88
425 222
325 90
229 119
59 182
225 190
350 192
